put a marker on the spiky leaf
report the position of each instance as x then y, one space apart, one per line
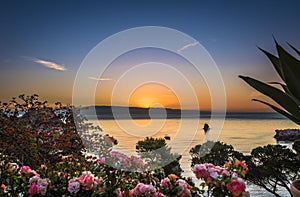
290 70
296 50
287 91
289 116
277 95
275 61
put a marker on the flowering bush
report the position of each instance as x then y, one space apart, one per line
89 177
222 181
173 186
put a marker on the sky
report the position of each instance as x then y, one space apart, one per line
44 43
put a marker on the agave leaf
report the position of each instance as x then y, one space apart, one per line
289 116
283 99
275 61
290 70
296 50
286 89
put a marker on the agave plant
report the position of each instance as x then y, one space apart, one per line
288 96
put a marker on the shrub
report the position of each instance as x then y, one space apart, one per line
273 166
36 133
156 154
214 152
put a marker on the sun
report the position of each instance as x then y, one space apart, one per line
151 94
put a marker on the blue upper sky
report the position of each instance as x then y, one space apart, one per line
63 32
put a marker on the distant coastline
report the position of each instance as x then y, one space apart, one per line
119 112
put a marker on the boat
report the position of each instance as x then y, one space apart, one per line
167 137
206 128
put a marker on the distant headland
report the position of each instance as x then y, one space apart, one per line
121 112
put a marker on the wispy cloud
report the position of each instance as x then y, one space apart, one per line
49 64
100 79
187 46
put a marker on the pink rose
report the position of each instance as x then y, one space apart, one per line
73 186
34 179
225 173
137 161
86 180
101 160
236 187
144 190
200 171
165 182
26 169
97 181
158 194
33 189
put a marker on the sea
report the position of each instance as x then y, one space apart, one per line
244 131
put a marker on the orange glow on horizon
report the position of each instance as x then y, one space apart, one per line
153 95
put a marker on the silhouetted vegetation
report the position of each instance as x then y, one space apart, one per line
214 152
288 97
36 133
156 154
270 167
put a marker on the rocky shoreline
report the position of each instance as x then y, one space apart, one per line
287 134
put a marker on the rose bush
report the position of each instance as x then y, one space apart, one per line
92 177
222 181
72 177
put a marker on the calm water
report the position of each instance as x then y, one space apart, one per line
243 133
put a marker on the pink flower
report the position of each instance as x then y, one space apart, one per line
42 190
43 182
26 169
110 141
97 181
34 179
137 161
122 160
200 171
165 182
213 173
144 190
73 186
183 188
158 194
33 189
225 173
86 180
236 187
119 193
101 160
183 191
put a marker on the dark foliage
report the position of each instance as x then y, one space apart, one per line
157 154
273 166
36 133
214 152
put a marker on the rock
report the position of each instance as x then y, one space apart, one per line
287 134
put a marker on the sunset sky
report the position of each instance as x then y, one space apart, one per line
43 43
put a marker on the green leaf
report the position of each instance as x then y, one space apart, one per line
289 116
290 70
296 50
277 95
284 87
287 91
275 61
